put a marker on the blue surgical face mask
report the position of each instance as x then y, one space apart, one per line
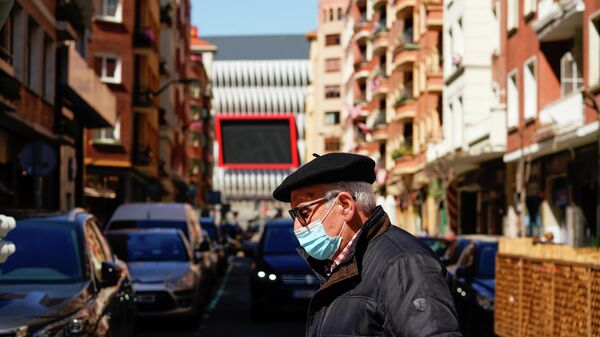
315 240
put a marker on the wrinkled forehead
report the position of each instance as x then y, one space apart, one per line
309 193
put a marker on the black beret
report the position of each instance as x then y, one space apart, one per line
328 168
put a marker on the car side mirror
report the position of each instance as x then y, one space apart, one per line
111 274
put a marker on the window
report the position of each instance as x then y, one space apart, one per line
530 90
110 10
594 51
332 144
512 21
512 100
332 65
332 91
332 39
570 76
48 74
331 15
340 15
108 135
497 28
332 118
108 67
529 7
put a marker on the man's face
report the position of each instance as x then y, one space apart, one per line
307 195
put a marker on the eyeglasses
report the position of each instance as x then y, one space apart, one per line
296 212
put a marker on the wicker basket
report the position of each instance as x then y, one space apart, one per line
546 290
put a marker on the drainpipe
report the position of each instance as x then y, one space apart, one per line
590 101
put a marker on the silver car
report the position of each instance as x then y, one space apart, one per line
166 273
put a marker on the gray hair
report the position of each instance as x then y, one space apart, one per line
360 190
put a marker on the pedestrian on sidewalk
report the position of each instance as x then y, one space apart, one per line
378 280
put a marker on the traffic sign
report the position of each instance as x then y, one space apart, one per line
38 158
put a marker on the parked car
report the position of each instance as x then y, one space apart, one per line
218 242
158 215
438 245
474 266
281 278
166 280
63 280
210 259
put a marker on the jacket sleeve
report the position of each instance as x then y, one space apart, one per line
416 300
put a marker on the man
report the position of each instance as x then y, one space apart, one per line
378 279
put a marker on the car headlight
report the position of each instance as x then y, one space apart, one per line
182 281
263 275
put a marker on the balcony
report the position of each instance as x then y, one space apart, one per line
380 41
378 86
142 156
558 19
435 82
144 38
404 8
362 29
435 19
405 108
561 116
405 56
409 163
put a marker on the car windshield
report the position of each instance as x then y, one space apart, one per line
137 247
47 252
127 224
280 240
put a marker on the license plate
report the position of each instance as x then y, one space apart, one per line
303 293
146 298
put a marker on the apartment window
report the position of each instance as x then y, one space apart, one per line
340 14
512 21
110 10
332 145
570 76
331 15
332 65
48 73
332 118
497 28
529 7
332 39
19 42
332 91
512 100
108 67
594 50
108 135
530 89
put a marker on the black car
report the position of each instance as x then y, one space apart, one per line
63 280
218 242
281 278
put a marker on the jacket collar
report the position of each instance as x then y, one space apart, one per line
375 225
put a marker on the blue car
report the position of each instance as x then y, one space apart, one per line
473 270
63 280
281 279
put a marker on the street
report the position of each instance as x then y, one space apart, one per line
228 313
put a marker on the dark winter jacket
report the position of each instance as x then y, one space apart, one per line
390 284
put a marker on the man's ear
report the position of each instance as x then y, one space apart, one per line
348 205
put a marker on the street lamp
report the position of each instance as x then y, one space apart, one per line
173 81
591 102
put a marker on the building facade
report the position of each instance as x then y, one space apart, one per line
324 123
258 81
201 127
122 163
49 95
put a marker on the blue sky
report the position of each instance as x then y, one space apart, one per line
253 17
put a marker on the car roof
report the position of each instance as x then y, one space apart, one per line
152 211
145 230
76 216
280 222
